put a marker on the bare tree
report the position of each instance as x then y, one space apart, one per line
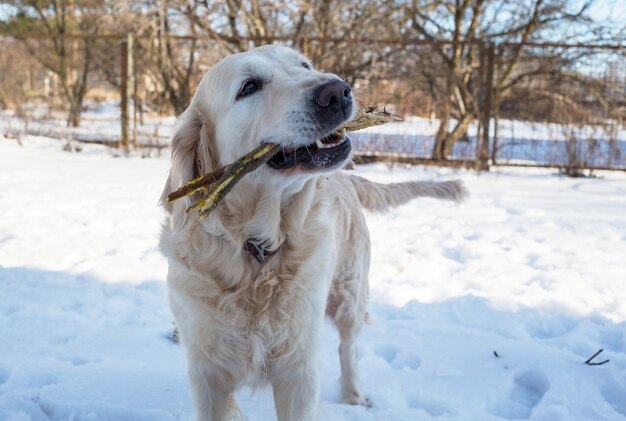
463 22
67 57
17 74
580 90
316 27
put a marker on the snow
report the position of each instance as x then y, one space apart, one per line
531 266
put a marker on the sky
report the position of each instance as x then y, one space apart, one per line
610 12
614 10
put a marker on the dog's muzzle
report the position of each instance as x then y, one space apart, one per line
331 105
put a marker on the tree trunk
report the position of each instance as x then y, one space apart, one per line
440 141
459 132
496 119
442 132
73 117
445 140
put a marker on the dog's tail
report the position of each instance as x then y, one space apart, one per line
382 197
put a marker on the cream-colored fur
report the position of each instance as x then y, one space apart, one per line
245 322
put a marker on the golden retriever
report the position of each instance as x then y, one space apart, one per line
249 286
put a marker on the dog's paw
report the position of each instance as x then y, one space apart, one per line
356 399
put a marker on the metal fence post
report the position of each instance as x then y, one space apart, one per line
483 153
126 88
480 96
481 102
130 84
124 93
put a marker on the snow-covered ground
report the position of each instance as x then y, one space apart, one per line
531 268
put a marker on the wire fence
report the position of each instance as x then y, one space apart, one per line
559 106
573 118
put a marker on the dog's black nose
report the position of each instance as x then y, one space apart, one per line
335 95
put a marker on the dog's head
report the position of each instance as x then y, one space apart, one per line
271 94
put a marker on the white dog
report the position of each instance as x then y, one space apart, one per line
249 286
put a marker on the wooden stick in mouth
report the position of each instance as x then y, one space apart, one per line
219 183
232 173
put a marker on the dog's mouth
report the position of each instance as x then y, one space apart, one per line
327 153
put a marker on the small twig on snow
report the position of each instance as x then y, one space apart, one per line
589 361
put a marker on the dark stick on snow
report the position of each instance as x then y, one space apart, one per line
589 361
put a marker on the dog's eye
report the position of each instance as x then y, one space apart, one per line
306 65
249 87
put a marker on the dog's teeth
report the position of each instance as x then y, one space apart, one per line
319 144
344 133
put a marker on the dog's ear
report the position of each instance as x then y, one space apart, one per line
193 154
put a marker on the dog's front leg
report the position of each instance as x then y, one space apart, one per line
211 391
296 390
